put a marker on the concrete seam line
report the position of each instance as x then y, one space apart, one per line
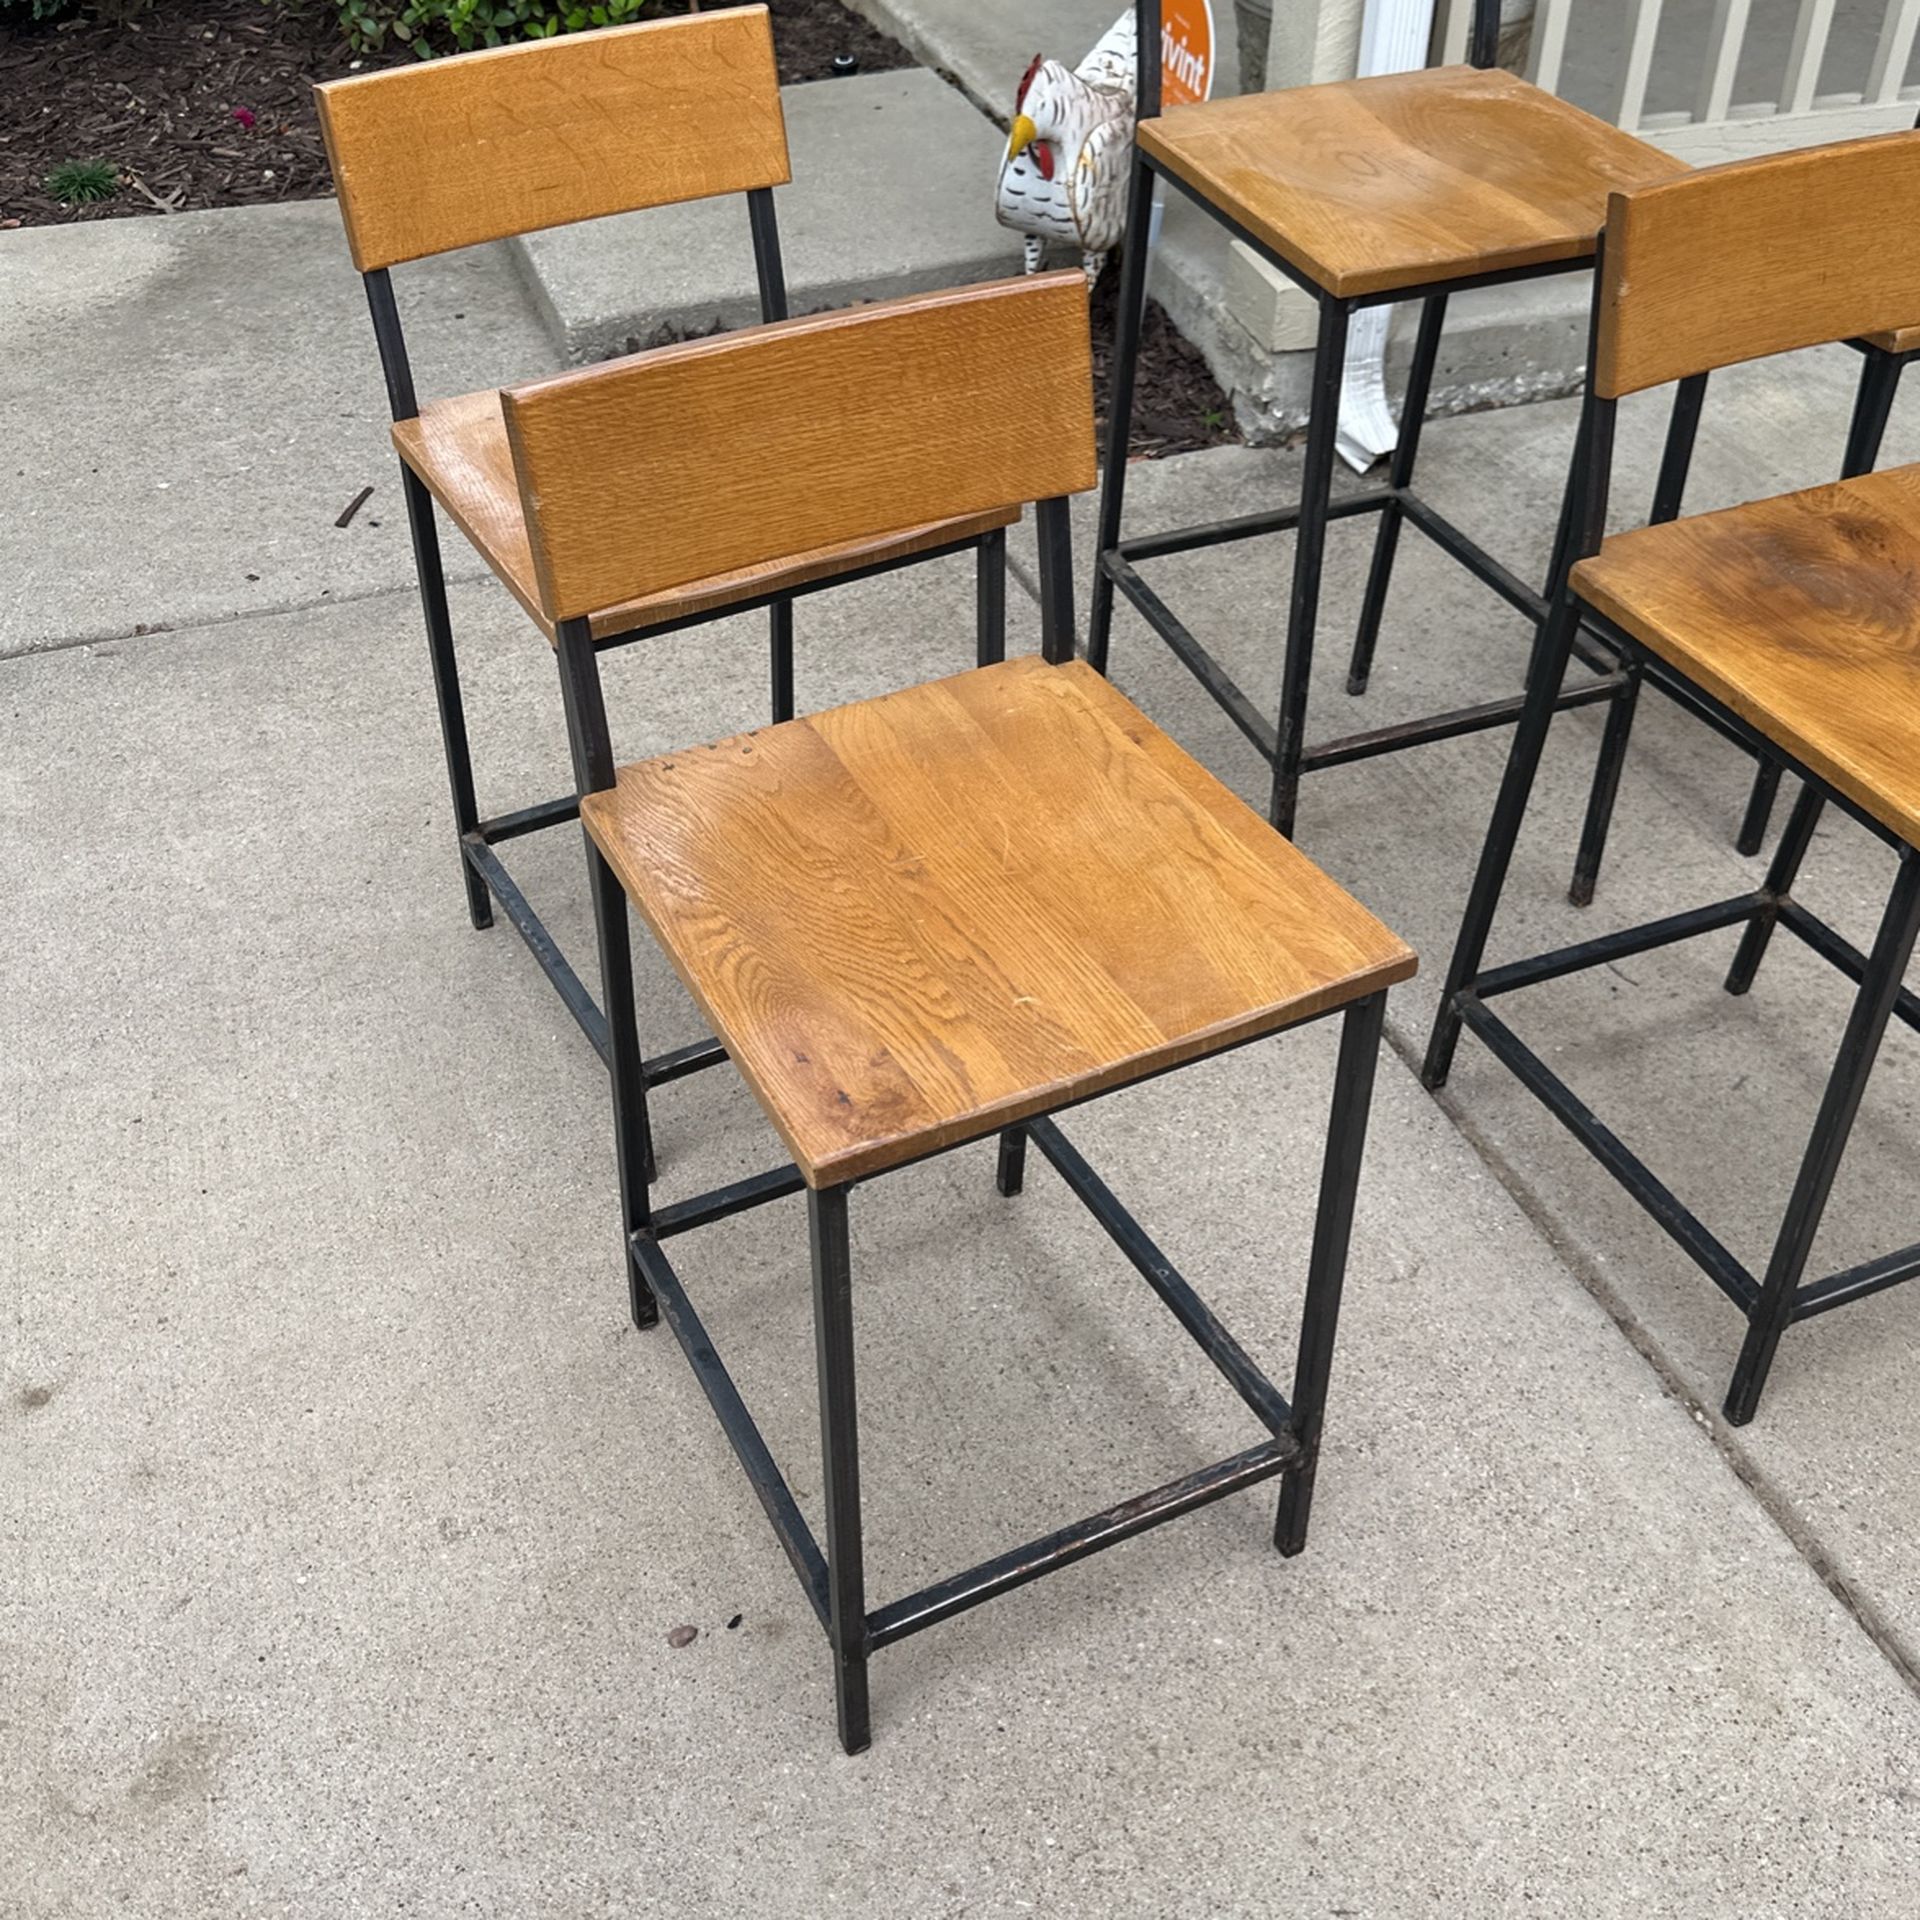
165 629
1770 1498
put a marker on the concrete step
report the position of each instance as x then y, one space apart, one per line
892 193
986 44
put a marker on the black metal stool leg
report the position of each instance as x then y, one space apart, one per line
1010 1175
1781 875
1872 405
1605 789
840 1459
1386 541
1129 314
1327 1268
593 772
1552 648
1676 461
1303 607
632 1138
780 652
446 684
1759 814
1866 1026
990 596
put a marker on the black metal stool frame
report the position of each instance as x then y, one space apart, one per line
1283 745
833 1579
484 872
1780 1297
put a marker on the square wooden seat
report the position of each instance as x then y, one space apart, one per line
1800 613
458 448
921 918
1408 178
1896 340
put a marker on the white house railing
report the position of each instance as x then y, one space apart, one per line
1721 125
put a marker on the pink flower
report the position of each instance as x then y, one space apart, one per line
245 116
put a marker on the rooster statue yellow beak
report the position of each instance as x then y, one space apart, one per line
1024 134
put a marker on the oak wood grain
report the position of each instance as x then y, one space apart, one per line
1896 340
837 428
1368 185
479 146
1802 614
458 447
918 918
1759 257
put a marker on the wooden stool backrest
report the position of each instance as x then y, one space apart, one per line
1758 257
698 459
482 146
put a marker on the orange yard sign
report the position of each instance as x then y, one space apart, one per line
1186 52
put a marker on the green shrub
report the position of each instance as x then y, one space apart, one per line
78 183
457 26
17 13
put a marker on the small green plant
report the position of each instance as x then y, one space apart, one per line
14 13
1214 418
432 27
79 183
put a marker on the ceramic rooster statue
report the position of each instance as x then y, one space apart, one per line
1065 172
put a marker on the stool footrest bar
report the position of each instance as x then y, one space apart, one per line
1842 953
1446 726
715 1381
1261 1395
695 1057
540 943
1245 526
945 1598
1219 683
1855 1283
704 1208
547 813
1658 1200
1618 946
1475 558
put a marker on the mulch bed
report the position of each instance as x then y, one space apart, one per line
157 96
1178 406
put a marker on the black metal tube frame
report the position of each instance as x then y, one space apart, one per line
1866 429
1293 1426
1280 743
1782 1296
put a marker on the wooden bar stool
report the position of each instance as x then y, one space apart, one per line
936 916
1795 618
1885 356
455 152
1410 186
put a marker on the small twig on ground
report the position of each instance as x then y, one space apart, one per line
354 505
171 204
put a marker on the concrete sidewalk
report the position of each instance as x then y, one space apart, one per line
345 1517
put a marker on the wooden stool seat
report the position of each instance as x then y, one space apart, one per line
1407 178
923 917
1896 340
1800 613
458 448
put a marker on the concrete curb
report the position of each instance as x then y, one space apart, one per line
867 217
